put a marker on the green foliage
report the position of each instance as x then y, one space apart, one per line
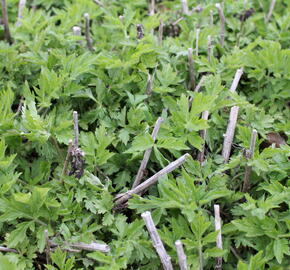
48 72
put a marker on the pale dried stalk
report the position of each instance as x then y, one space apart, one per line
47 247
149 86
5 249
98 3
77 31
152 8
200 157
219 243
157 243
21 7
271 9
6 22
160 32
87 32
209 48
151 181
76 128
197 41
185 9
223 20
181 255
191 85
250 154
228 137
197 88
147 154
82 246
211 17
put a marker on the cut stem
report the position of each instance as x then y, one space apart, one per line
157 243
191 85
209 48
5 249
211 17
151 181
76 128
250 154
68 155
271 9
223 20
47 247
197 41
200 157
185 9
147 154
152 8
87 32
181 255
219 243
160 32
21 7
6 22
228 137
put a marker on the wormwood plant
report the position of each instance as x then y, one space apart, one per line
120 87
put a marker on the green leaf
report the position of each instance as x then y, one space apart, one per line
141 143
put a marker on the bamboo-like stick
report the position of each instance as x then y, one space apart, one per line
223 20
211 17
248 169
197 41
185 9
152 180
181 255
6 249
82 246
87 32
160 32
209 48
147 154
197 88
152 8
203 136
77 31
157 243
76 128
271 9
219 243
191 85
149 86
21 7
7 33
228 137
47 247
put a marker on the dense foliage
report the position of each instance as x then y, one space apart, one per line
48 72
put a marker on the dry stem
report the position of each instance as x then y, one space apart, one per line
157 243
219 243
6 22
5 249
209 48
271 9
197 41
181 255
222 18
191 70
185 10
249 156
152 180
76 128
203 136
21 7
87 32
152 8
147 154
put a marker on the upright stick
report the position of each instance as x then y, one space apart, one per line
228 137
223 20
47 247
211 17
157 243
152 180
250 154
147 154
77 31
21 7
181 255
149 86
185 10
271 9
152 8
160 32
6 22
197 41
209 48
203 136
219 243
191 85
87 32
76 128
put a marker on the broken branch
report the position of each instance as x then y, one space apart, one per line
181 255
